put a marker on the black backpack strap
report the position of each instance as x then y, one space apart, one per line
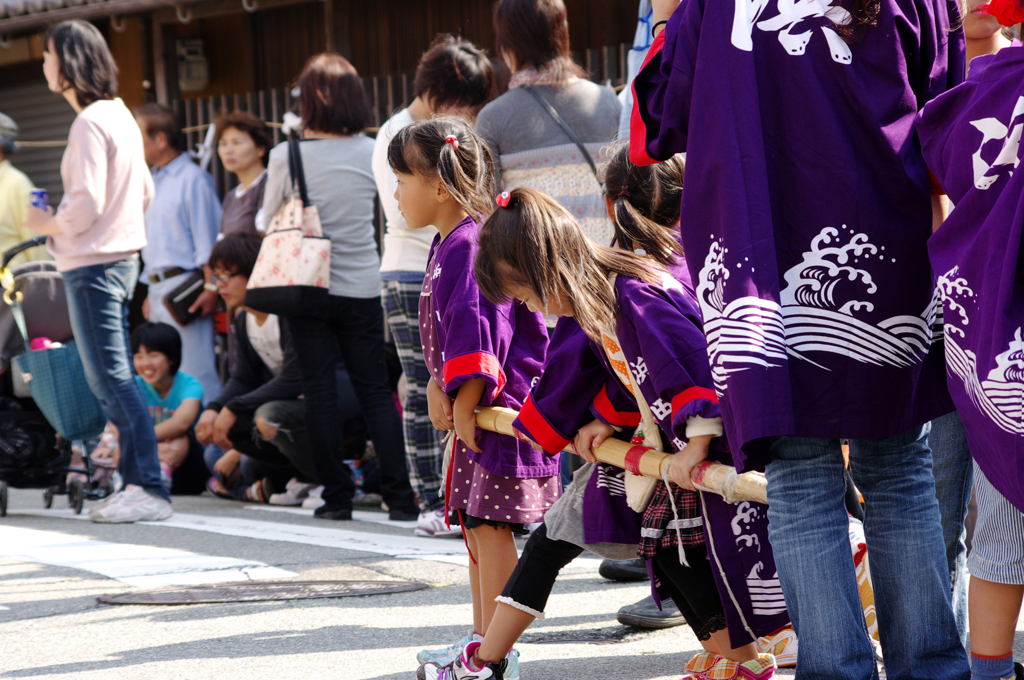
565 128
296 171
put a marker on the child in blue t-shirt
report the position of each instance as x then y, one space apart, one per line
174 398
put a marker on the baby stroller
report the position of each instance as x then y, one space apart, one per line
46 406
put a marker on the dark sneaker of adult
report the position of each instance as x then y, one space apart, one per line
624 570
328 511
645 614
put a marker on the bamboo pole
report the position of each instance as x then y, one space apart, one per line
707 476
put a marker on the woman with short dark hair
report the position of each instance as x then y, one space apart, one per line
453 77
336 159
95 238
243 144
527 135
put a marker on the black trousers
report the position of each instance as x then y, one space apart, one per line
353 328
531 583
692 588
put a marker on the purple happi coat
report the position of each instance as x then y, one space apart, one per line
573 390
806 208
466 336
972 142
661 334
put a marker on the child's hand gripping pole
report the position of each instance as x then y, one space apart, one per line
713 477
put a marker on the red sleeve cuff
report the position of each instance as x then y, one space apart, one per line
605 409
637 128
693 394
476 363
538 428
934 187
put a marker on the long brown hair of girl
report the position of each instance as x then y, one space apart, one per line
465 167
535 243
647 200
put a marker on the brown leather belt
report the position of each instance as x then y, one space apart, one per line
166 274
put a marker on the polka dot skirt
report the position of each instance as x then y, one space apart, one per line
493 497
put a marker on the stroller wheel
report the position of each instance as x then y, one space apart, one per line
76 495
48 497
3 499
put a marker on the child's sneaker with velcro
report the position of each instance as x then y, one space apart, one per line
445 655
462 668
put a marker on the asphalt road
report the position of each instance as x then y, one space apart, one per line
54 566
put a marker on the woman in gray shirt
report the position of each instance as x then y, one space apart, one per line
336 159
532 149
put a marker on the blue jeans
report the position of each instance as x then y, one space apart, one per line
808 528
954 477
98 296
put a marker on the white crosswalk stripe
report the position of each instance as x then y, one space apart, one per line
144 566
401 546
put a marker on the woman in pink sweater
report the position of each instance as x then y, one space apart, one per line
95 238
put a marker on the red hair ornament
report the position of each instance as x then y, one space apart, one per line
502 199
453 140
1007 12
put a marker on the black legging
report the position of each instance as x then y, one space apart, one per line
534 577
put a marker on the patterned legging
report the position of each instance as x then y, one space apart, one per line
422 442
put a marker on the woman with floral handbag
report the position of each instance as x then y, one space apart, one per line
343 313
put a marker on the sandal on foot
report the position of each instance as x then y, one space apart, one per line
261 491
217 488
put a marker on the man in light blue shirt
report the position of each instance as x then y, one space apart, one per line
181 227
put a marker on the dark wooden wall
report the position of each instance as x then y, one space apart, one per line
268 48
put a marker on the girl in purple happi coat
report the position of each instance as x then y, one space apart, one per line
971 137
479 354
532 250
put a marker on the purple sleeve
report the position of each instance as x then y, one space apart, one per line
615 406
559 403
663 88
671 341
476 331
932 36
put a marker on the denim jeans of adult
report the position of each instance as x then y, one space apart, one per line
808 528
98 296
355 328
954 477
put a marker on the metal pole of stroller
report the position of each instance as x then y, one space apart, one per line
712 477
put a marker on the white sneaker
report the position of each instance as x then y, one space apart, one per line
295 493
431 523
314 500
108 501
134 505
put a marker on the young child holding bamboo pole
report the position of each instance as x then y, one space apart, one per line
480 353
532 250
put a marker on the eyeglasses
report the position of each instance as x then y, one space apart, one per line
222 279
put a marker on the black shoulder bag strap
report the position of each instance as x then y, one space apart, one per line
296 171
565 128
